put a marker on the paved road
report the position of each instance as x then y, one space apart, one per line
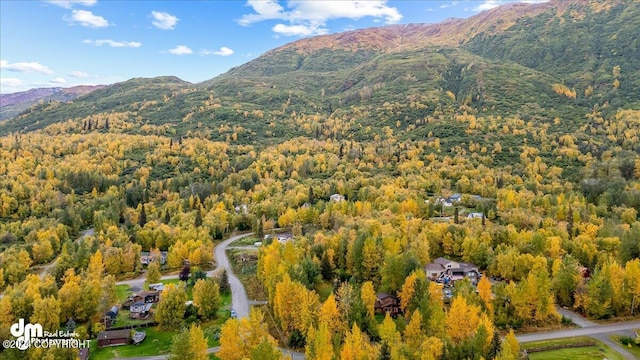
239 299
585 323
576 318
586 331
615 346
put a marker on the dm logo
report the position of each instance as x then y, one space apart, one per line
24 333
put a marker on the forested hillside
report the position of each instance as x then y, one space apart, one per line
541 140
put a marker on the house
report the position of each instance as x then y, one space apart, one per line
455 198
147 257
445 270
475 215
147 297
140 310
443 202
434 271
113 337
282 238
386 303
336 198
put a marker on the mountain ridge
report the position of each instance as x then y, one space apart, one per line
14 103
347 74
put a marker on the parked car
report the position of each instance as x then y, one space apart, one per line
233 314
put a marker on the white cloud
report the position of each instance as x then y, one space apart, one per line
112 43
224 51
68 4
87 19
180 50
164 20
58 81
25 67
491 4
448 5
10 85
79 74
487 5
310 17
299 30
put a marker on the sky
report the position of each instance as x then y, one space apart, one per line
88 42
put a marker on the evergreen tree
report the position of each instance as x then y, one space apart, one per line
143 217
311 198
198 221
224 282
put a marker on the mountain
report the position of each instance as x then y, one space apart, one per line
14 103
26 96
542 63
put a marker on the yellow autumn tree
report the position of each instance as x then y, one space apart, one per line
330 315
319 344
368 295
462 320
357 346
484 290
407 291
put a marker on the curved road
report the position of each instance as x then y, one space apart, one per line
239 299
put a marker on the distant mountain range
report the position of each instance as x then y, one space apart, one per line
14 103
563 59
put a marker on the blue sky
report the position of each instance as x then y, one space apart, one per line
76 42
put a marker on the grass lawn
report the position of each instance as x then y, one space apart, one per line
156 342
123 319
596 352
123 292
634 349
245 241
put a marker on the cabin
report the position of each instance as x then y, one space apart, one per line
386 303
336 198
113 337
140 310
